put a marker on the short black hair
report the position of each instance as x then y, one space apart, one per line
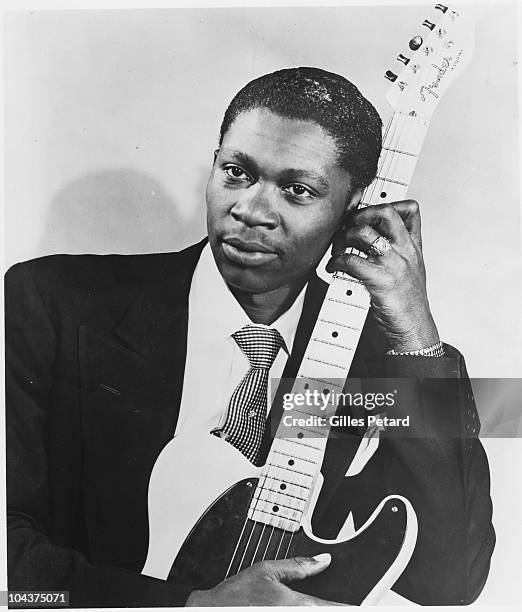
326 98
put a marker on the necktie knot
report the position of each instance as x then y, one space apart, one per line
259 344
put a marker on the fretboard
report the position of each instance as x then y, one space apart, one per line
296 455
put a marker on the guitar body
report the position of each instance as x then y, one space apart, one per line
365 564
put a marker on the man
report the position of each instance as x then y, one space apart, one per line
109 357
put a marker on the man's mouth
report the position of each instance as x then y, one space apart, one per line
246 252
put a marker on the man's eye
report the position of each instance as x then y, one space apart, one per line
236 172
299 191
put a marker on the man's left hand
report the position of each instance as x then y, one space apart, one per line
396 280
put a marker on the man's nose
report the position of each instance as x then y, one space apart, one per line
255 206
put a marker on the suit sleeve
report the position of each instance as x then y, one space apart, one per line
34 561
443 470
437 462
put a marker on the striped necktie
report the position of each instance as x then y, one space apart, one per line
246 417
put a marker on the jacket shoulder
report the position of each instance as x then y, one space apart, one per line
79 273
90 289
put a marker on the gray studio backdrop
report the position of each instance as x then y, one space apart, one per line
111 118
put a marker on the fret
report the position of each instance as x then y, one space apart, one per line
301 442
342 276
398 169
357 291
263 515
321 371
281 514
294 456
293 469
400 152
335 310
294 490
410 140
281 500
345 335
405 134
389 180
345 303
337 323
317 433
322 381
277 490
341 346
328 363
304 481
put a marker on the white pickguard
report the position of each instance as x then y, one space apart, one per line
176 502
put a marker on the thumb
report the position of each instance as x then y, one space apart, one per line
297 568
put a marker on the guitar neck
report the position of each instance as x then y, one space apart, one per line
402 144
297 451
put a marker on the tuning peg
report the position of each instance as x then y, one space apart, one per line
428 24
441 7
415 43
390 75
402 58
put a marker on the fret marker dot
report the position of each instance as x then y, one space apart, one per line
383 194
326 391
335 334
349 292
291 462
275 508
306 386
300 435
282 486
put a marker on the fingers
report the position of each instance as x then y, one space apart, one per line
400 221
360 237
359 268
363 238
297 568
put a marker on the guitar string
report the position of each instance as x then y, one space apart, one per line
289 543
372 187
268 543
280 542
392 130
256 500
235 550
253 560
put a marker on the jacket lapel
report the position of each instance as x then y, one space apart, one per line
132 380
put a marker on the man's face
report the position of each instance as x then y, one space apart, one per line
275 197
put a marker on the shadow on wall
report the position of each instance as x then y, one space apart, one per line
118 211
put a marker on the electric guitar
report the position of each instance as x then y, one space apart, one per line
232 513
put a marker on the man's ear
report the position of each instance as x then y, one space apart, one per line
215 155
352 201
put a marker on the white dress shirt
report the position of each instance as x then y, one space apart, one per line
215 364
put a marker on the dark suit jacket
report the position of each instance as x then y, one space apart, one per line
95 355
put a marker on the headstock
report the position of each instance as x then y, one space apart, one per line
436 58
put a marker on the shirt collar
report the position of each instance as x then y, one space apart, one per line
216 313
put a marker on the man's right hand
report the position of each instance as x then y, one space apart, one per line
264 584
